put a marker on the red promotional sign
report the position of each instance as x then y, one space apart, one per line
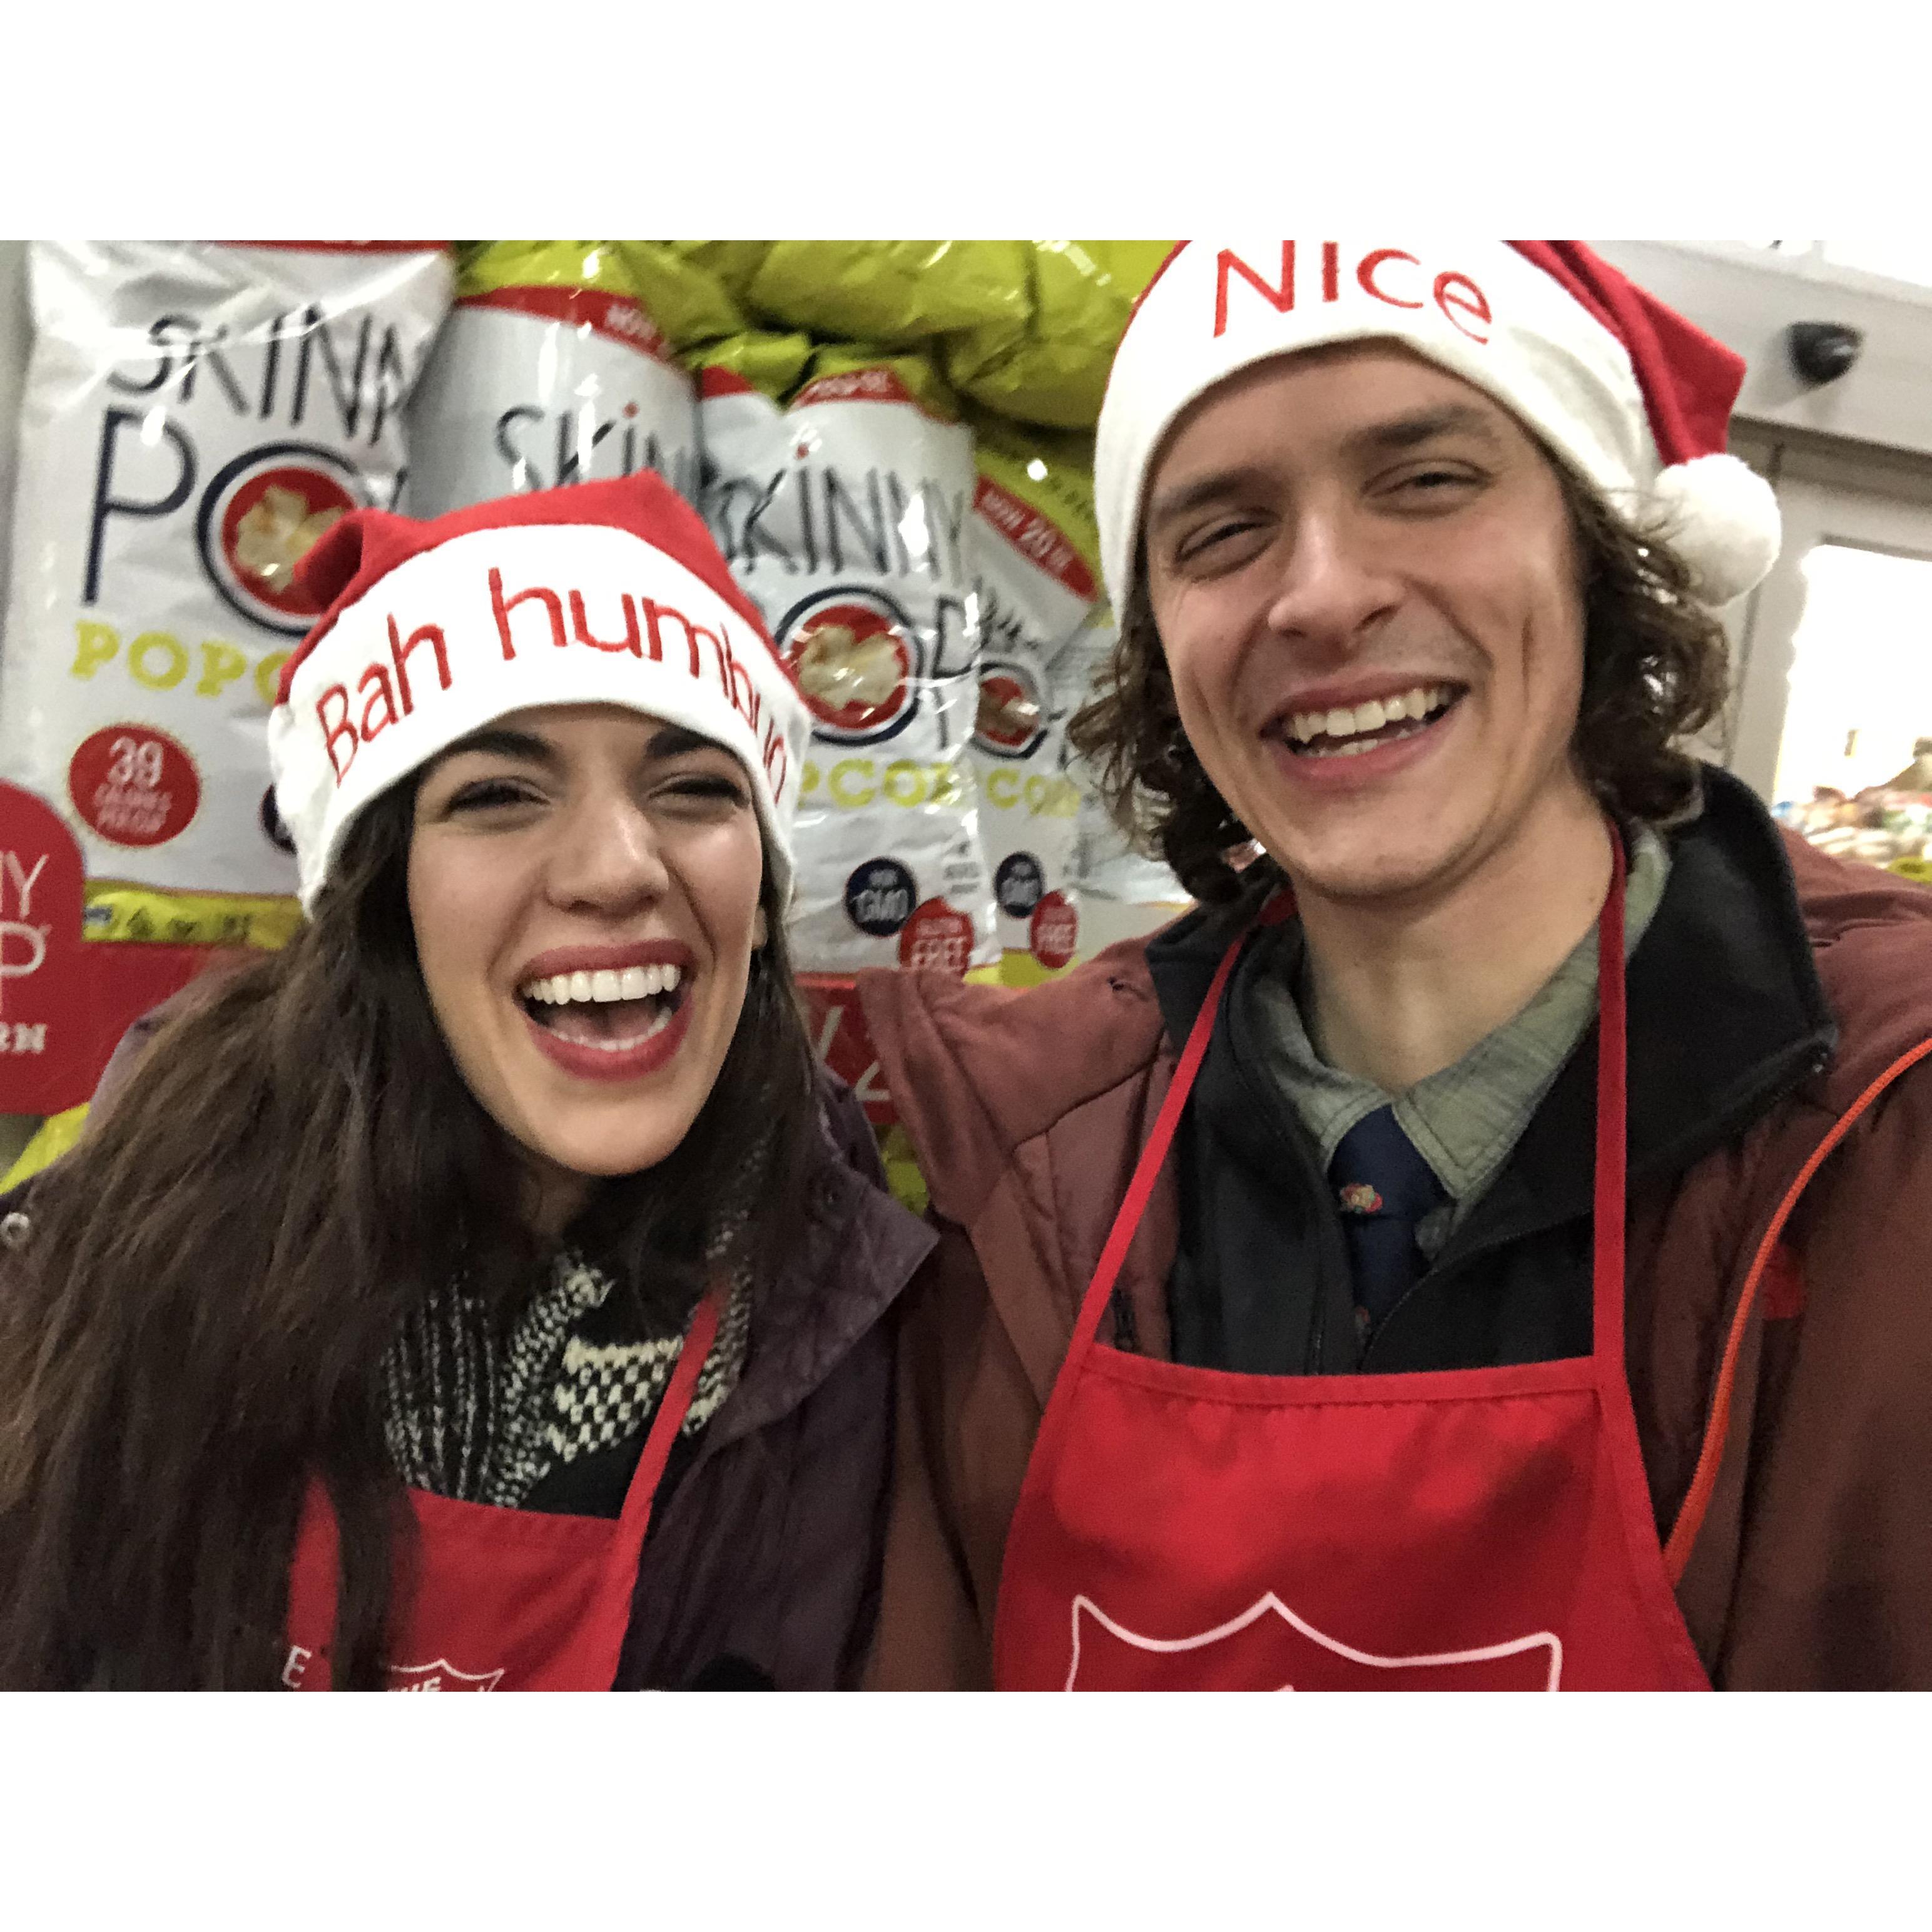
840 1039
64 1002
938 937
46 1030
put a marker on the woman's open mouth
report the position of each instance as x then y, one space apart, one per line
611 1023
608 1010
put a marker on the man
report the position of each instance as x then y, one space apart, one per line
1479 1247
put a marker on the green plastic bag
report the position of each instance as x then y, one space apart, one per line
486 266
689 302
893 294
1050 365
775 365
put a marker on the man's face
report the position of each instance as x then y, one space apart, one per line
1365 579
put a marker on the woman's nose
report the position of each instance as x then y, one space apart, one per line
608 859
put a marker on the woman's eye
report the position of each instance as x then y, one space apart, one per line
487 793
706 787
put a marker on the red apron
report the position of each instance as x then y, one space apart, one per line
501 1599
1188 1528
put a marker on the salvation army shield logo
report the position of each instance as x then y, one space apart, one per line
854 656
441 1675
261 516
1268 1647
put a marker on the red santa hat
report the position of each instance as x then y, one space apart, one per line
601 593
1632 397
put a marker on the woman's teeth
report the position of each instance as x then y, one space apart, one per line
1347 732
634 983
660 1018
611 1009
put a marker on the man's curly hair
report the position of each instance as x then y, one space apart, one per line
1656 668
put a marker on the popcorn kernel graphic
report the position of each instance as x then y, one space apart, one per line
839 669
277 533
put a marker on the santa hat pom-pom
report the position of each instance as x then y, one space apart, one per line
1720 516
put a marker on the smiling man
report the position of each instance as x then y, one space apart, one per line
1471 1249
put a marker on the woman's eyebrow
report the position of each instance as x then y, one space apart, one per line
673 741
497 741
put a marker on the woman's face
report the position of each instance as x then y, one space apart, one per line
583 883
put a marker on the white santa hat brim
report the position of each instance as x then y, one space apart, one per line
453 638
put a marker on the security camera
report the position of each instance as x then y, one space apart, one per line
1821 352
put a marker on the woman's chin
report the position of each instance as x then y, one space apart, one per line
594 1156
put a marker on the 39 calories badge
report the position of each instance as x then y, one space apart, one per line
134 785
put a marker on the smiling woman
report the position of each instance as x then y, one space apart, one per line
486 1290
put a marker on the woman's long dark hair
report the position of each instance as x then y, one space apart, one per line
197 1319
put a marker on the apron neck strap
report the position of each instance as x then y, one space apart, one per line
1612 1121
1153 1155
1611 1124
672 1411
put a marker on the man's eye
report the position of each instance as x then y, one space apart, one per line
1437 482
1204 542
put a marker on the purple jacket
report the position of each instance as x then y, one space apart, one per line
767 1554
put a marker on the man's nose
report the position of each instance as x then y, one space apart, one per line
1334 587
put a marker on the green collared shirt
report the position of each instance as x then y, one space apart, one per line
1464 1121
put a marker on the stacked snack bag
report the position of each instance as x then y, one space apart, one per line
1035 554
1107 863
1024 332
196 415
550 370
842 506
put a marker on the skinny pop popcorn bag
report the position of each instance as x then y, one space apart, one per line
550 370
197 415
844 515
1034 550
1106 863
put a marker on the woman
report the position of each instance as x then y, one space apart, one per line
355 1342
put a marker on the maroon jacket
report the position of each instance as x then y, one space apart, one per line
1805 1543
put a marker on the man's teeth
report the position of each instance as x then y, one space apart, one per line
1343 722
634 983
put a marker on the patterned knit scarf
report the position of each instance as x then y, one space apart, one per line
483 1416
